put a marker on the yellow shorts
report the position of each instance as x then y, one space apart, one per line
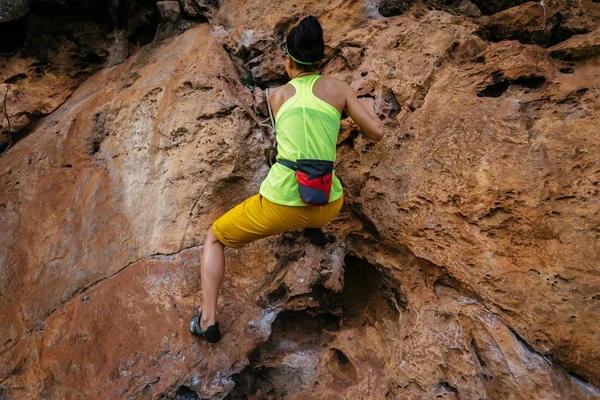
257 217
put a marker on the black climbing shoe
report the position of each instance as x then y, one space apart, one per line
317 236
212 333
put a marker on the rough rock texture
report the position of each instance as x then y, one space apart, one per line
13 9
494 6
519 215
199 8
544 23
468 8
52 50
253 33
389 8
578 47
132 117
169 10
464 261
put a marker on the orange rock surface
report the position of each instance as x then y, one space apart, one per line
465 260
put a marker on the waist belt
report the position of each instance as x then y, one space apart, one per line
314 179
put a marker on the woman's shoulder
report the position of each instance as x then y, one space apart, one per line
288 90
333 84
282 91
333 91
333 80
279 95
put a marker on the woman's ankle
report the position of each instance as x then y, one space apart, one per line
206 320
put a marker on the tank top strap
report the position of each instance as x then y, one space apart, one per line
311 80
304 85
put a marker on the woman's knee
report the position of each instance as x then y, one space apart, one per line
211 238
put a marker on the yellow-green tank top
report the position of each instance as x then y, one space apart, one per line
307 127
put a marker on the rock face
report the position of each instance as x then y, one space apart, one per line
468 8
13 9
88 171
464 260
200 8
52 50
544 23
389 8
494 6
578 47
169 10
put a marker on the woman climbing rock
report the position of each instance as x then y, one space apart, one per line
301 189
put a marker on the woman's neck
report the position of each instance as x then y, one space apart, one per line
300 74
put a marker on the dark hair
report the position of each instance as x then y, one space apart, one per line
305 43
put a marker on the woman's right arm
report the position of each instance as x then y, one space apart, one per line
361 111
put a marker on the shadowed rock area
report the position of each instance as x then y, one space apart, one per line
52 49
464 261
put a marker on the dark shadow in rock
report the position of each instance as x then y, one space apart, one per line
329 301
497 89
545 24
389 8
445 386
13 37
494 90
562 31
15 78
478 354
99 132
145 24
288 362
185 393
578 377
489 7
390 107
526 33
530 82
369 294
341 367
275 297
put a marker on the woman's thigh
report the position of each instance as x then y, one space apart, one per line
256 218
319 216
